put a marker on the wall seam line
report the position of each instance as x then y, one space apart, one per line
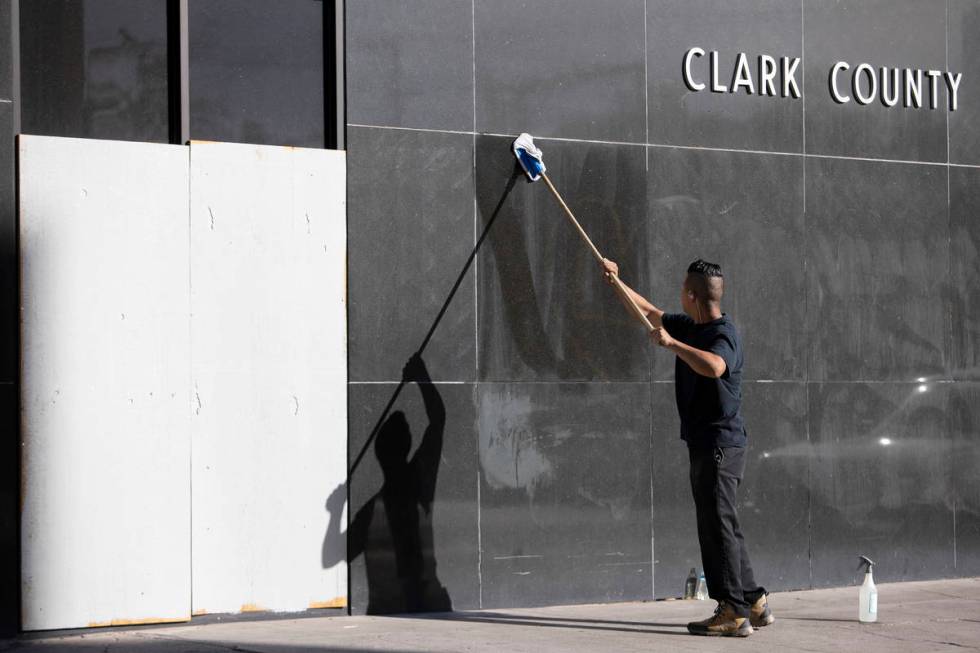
479 533
557 139
476 258
948 157
949 225
653 540
949 268
476 325
806 317
473 52
646 86
803 75
650 386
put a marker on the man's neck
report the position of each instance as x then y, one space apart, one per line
708 314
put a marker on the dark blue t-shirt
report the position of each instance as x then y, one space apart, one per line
710 409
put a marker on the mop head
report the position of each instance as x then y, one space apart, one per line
529 157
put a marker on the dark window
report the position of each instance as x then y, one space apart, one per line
257 71
94 68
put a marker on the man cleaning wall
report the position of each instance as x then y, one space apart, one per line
708 380
708 376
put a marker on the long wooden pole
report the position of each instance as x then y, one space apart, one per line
620 287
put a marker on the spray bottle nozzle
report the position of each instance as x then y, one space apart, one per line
866 563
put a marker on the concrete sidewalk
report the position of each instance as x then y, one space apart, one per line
924 616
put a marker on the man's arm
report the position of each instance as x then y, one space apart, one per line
415 371
654 314
425 462
336 543
703 362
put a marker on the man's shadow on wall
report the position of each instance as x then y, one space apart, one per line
393 529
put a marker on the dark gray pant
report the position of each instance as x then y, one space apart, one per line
715 475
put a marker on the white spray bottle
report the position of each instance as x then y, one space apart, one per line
868 596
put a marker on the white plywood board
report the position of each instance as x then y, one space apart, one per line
105 378
269 414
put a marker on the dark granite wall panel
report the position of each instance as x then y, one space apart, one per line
850 274
877 255
559 68
964 434
9 350
6 70
565 492
773 498
9 511
410 231
879 33
742 211
9 293
413 534
410 64
964 283
964 56
881 481
545 311
742 120
675 535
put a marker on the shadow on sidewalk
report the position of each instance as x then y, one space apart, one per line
556 622
127 642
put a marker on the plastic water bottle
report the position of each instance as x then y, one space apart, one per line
702 591
691 584
868 596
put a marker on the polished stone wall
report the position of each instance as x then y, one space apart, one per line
847 233
9 344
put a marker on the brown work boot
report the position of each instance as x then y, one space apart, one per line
724 622
761 615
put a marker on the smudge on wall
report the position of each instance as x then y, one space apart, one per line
513 450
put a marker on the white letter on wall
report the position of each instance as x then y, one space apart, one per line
913 92
890 99
953 82
789 79
767 75
715 86
933 76
688 78
742 76
872 85
839 66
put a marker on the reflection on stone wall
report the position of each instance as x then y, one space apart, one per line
95 69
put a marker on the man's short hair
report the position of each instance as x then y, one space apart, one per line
706 280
